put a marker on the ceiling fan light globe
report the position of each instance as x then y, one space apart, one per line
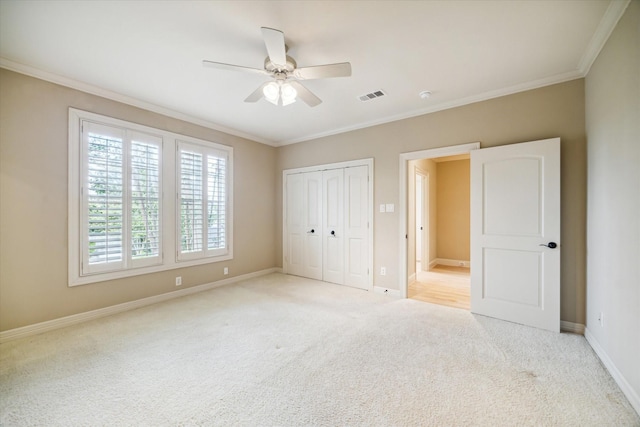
271 92
289 94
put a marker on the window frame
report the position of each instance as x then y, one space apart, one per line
169 248
205 152
128 138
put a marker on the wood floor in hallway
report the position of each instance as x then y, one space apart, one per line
444 285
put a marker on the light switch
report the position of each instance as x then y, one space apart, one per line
390 207
382 209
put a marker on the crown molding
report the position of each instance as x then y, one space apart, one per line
118 97
606 26
535 84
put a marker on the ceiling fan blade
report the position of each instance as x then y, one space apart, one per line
342 69
230 67
257 94
274 41
305 94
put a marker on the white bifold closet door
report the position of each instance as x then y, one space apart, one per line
304 224
327 225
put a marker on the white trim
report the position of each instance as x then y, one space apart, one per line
74 319
574 328
452 262
395 293
114 96
624 385
328 166
402 208
607 24
412 278
433 263
351 163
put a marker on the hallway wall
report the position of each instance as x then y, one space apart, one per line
453 199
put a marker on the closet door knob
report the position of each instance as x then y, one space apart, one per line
550 245
312 231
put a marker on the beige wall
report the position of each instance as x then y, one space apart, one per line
552 111
33 205
33 173
454 197
613 133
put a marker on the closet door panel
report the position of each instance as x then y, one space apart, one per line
356 226
313 225
333 220
296 233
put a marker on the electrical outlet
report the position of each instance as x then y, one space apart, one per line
178 280
601 319
226 270
383 271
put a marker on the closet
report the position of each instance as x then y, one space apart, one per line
327 217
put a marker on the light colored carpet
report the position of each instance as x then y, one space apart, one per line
284 351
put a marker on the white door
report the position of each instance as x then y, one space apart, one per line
304 224
515 233
418 213
333 225
356 226
313 225
326 225
295 223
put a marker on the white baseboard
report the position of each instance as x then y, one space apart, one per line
451 262
629 392
74 319
385 291
574 328
433 263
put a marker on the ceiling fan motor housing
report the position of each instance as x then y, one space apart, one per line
286 69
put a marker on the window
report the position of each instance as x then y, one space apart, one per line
121 222
120 198
202 197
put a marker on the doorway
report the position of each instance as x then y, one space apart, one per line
442 219
429 276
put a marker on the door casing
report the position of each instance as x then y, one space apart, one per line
404 160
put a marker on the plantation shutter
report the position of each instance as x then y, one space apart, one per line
145 206
203 201
217 197
191 202
103 196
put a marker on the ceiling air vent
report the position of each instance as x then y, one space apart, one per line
372 95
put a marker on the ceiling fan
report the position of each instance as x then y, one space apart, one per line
285 87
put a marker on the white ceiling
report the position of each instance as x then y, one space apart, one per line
149 53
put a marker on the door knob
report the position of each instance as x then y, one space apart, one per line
312 231
550 245
333 233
